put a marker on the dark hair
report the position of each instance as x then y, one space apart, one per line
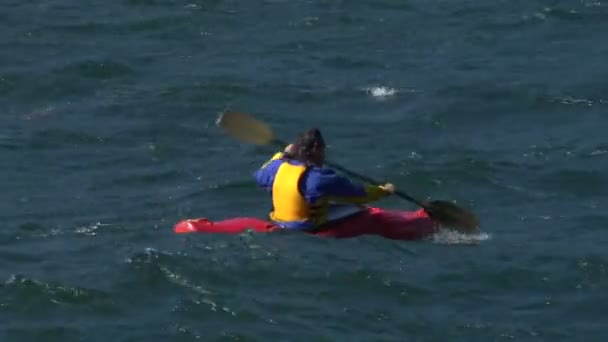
307 145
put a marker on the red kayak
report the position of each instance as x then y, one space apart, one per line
392 224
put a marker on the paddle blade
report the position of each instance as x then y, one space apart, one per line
450 215
245 128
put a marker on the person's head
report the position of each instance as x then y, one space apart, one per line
309 147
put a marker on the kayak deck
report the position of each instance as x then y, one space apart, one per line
391 224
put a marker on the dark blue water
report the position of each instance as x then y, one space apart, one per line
108 137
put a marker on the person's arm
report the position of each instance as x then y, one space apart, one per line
324 183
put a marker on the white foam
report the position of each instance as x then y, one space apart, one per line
90 229
450 237
381 91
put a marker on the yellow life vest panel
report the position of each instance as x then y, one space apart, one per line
288 203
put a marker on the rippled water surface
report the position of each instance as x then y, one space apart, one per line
108 137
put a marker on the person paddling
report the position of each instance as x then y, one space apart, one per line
305 194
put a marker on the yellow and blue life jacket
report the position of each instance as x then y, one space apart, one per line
304 197
289 207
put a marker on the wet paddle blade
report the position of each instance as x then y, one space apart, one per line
245 128
450 215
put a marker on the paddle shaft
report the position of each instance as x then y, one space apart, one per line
361 177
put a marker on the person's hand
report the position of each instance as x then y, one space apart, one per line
289 149
388 188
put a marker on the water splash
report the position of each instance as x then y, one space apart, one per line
381 92
182 280
450 237
90 229
39 113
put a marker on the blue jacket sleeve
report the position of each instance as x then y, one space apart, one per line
264 176
323 183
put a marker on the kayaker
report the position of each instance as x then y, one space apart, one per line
306 195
